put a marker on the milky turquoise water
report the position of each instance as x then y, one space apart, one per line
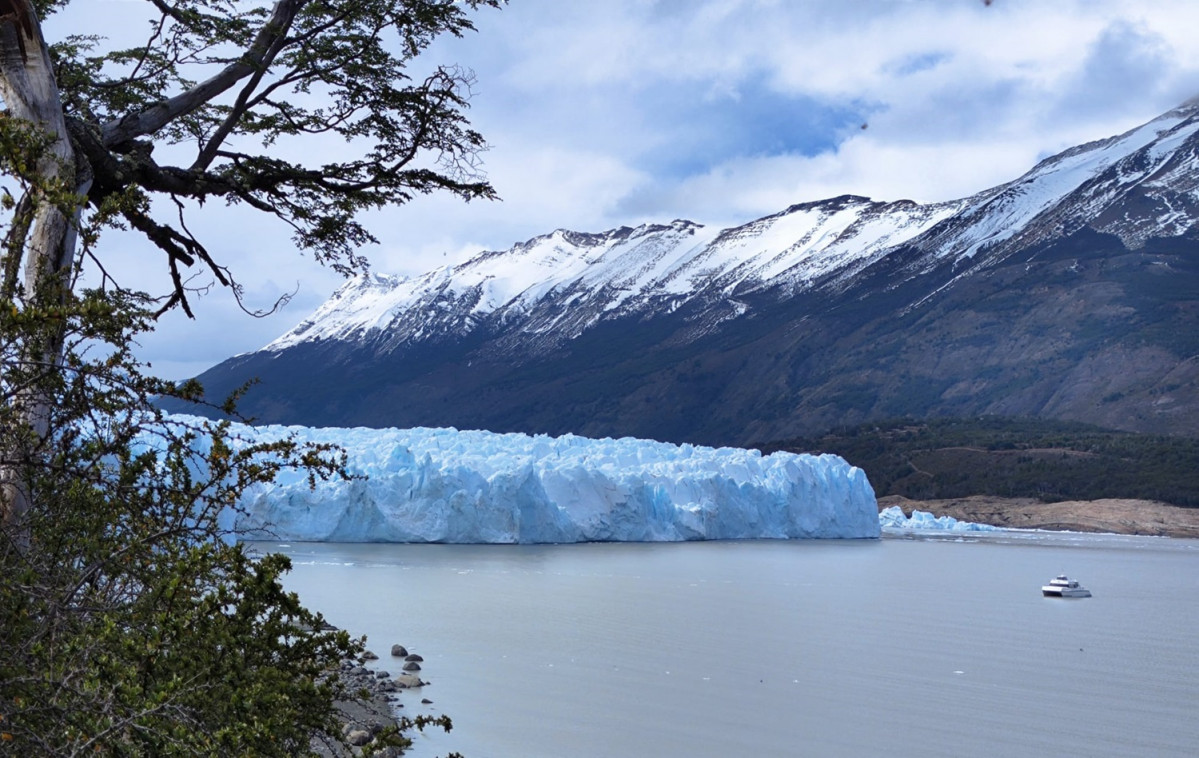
897 647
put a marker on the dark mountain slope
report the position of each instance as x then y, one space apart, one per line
1071 293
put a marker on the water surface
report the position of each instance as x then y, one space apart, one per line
902 647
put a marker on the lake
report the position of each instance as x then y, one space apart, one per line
940 646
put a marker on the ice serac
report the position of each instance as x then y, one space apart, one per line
893 519
445 485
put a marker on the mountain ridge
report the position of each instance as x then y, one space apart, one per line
828 312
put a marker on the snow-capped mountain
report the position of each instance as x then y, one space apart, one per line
554 287
1088 186
1068 292
562 283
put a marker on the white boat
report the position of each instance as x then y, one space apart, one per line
1061 586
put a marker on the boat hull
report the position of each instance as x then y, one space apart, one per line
1058 592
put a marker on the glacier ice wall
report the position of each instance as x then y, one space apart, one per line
445 485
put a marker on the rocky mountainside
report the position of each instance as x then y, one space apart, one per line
1070 293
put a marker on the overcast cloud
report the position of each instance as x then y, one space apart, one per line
601 114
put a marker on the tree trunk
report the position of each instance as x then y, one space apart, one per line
30 93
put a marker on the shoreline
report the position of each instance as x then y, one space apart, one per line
368 716
377 712
1111 516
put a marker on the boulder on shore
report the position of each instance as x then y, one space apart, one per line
358 737
408 681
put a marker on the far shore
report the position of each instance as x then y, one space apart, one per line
1111 516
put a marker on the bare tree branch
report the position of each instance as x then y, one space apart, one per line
159 115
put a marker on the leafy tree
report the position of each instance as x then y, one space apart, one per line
226 88
131 624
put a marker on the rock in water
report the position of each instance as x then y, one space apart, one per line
408 681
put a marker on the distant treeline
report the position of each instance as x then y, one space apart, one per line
1048 460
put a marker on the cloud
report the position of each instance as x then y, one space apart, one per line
181 348
743 189
1125 57
544 187
617 112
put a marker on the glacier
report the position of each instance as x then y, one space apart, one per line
893 519
451 486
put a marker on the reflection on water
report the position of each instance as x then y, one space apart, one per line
917 647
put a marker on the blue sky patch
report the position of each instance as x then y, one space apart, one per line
706 131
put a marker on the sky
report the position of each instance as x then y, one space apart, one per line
621 112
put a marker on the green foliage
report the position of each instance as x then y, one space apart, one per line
132 626
238 89
1006 457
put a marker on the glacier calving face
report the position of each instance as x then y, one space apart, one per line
445 485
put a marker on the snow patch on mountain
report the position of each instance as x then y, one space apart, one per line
1067 189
